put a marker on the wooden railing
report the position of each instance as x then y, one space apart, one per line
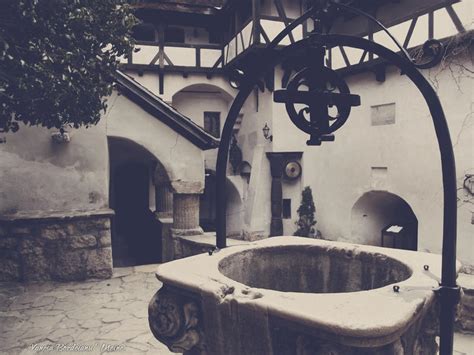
195 57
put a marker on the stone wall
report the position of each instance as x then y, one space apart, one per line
60 247
465 316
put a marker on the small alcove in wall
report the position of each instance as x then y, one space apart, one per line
374 211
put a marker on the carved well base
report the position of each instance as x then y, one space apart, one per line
257 299
175 321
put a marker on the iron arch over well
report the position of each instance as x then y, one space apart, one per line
269 58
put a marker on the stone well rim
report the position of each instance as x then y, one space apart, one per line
379 315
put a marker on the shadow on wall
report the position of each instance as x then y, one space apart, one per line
374 212
136 234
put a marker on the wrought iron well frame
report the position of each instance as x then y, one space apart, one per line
448 290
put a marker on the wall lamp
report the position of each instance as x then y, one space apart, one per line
266 133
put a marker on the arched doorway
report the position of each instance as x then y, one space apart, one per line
136 235
207 208
375 212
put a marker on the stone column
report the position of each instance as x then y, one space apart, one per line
277 166
276 169
164 201
186 214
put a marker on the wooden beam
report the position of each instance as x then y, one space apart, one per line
344 56
198 57
162 82
177 44
380 73
265 36
155 58
431 25
454 17
219 60
362 58
256 21
167 59
410 32
161 41
242 40
282 14
171 69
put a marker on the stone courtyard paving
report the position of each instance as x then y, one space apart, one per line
110 313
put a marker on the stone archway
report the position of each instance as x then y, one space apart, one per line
374 211
136 237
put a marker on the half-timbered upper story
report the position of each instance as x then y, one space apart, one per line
208 36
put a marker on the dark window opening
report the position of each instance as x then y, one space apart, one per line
212 123
215 37
144 32
243 13
286 208
174 35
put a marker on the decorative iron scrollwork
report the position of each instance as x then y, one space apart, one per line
315 119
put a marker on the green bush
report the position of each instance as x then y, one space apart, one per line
306 214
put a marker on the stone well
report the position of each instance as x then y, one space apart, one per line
290 295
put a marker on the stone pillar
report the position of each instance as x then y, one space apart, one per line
186 214
164 216
277 166
164 200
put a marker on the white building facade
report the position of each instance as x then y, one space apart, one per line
383 168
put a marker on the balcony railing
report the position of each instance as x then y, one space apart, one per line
175 56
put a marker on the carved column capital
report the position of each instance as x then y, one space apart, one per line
175 320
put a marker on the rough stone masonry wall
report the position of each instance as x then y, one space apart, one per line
60 247
465 316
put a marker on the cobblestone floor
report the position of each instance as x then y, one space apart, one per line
109 313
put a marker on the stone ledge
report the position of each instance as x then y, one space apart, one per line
188 245
55 215
164 220
177 232
187 187
209 239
